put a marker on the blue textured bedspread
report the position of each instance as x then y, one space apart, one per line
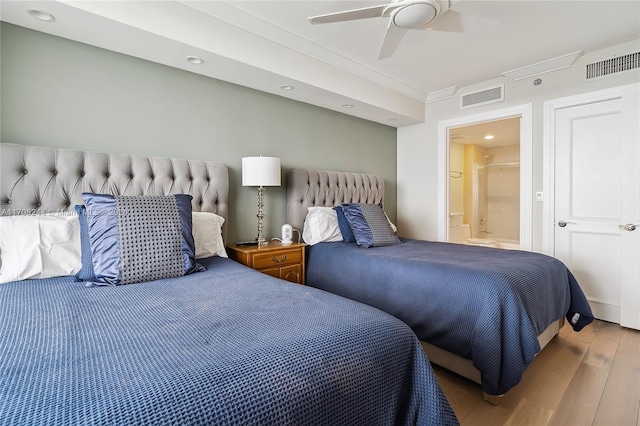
225 346
483 304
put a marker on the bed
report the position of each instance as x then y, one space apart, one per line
222 344
481 312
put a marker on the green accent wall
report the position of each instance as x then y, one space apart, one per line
60 93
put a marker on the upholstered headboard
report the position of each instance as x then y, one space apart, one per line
307 188
39 180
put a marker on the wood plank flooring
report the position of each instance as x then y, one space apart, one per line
578 379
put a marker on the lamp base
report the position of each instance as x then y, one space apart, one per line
261 240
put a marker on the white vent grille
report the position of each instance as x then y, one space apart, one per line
486 96
612 66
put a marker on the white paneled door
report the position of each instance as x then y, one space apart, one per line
597 202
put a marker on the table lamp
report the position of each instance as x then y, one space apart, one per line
261 171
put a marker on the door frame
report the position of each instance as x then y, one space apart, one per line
525 112
549 149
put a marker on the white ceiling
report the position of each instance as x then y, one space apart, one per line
267 44
505 132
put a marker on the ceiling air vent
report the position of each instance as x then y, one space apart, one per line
486 96
611 66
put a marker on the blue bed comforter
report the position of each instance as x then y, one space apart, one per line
483 304
225 346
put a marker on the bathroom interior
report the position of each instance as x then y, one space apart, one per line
484 184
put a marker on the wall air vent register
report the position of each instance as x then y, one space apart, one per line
612 66
485 96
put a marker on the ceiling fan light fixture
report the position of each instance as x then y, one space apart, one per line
415 15
405 15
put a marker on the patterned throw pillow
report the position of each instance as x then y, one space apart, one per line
369 224
139 238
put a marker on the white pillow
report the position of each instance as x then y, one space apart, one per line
39 246
321 225
393 227
207 234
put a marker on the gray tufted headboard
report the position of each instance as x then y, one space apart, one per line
36 180
307 188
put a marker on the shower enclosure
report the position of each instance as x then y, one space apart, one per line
496 202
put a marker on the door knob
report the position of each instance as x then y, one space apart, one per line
563 223
628 227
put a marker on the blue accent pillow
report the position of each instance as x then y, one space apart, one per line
86 271
369 224
345 228
139 238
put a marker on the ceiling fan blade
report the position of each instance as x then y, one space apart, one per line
349 15
456 22
392 39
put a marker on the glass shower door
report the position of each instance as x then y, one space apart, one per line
497 202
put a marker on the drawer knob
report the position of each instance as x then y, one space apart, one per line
282 258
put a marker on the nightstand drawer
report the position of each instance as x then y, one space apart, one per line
277 258
281 261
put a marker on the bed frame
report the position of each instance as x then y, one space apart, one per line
42 180
307 188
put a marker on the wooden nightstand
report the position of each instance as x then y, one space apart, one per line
275 259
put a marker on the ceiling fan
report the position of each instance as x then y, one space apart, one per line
404 15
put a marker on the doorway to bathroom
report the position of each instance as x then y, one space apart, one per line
486 185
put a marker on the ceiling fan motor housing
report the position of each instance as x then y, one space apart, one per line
415 14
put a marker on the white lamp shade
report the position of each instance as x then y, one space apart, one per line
260 171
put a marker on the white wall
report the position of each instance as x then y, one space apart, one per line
456 182
418 173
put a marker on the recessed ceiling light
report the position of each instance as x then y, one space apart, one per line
347 106
43 16
488 137
286 87
194 60
392 119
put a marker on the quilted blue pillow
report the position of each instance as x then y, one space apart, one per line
369 224
345 228
139 238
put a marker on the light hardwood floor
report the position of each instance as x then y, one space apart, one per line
586 378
